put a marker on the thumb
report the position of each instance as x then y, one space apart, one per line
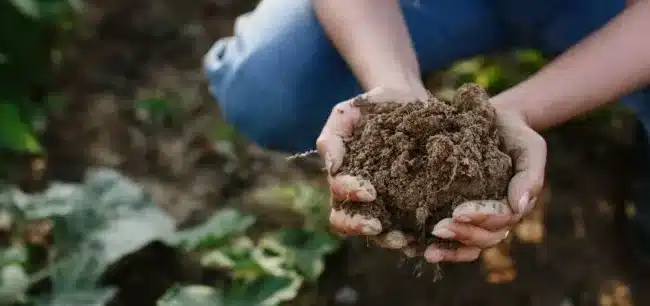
528 180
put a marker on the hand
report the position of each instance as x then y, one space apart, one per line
331 148
483 224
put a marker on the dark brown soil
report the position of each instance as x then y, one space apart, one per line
424 158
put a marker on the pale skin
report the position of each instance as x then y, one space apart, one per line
608 64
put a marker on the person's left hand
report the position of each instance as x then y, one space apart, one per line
482 224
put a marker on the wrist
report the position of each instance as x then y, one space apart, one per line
409 85
504 104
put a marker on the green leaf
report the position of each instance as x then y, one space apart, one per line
13 255
14 283
194 295
266 291
214 232
95 225
27 7
302 250
16 135
230 256
97 297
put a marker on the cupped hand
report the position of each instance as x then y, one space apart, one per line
483 224
331 148
476 224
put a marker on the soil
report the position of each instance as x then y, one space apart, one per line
426 157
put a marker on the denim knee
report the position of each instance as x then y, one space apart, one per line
278 77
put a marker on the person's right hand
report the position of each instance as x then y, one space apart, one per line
331 148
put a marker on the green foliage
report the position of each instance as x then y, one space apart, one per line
194 295
216 231
268 270
31 32
495 73
94 225
15 134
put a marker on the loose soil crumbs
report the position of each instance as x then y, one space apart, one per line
425 158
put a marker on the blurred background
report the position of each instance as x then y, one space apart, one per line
122 186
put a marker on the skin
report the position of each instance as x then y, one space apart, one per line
372 37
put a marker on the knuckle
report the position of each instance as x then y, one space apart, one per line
539 141
321 143
341 108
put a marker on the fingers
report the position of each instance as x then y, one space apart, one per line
386 95
338 126
530 162
468 234
357 224
489 214
351 188
343 118
435 254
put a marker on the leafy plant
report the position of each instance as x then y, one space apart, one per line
90 225
265 271
32 33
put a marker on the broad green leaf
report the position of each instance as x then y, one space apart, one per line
16 135
302 250
95 225
14 283
114 218
214 232
273 264
27 7
97 297
266 291
13 255
76 5
195 295
217 259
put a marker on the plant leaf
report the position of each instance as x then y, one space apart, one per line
215 231
195 295
303 250
14 283
96 297
27 7
95 225
267 291
15 135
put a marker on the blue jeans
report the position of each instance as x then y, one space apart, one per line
278 77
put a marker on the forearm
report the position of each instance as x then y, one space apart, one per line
372 37
610 63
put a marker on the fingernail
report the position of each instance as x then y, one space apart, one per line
443 233
365 196
524 203
371 227
463 219
433 256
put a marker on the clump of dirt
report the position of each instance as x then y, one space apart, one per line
425 158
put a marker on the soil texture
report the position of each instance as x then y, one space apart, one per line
424 158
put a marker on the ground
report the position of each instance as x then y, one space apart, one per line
566 253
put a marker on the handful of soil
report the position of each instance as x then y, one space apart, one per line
425 158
